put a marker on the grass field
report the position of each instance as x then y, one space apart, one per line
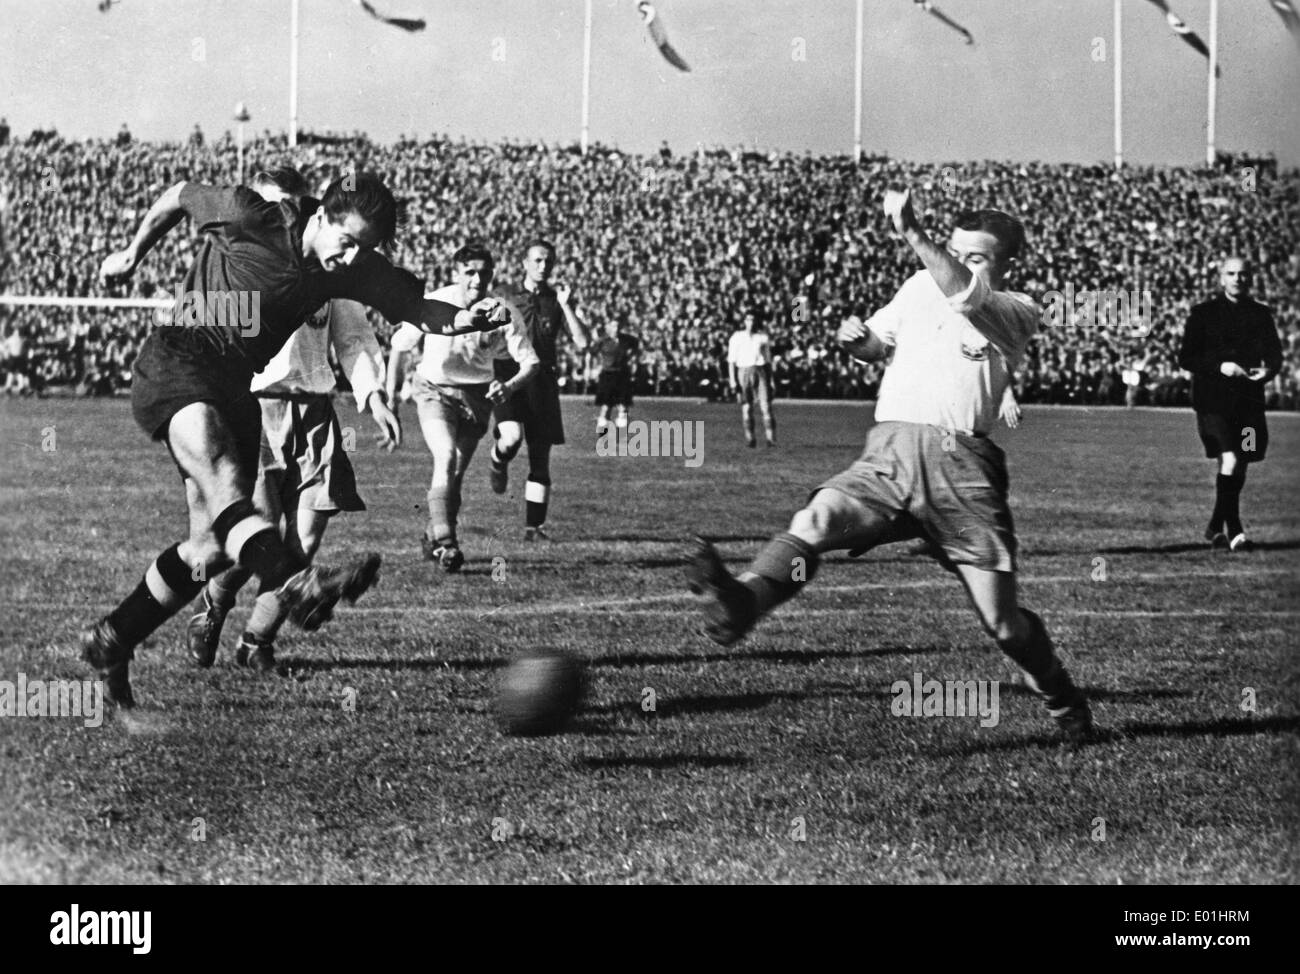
777 760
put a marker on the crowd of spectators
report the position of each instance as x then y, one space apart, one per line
678 247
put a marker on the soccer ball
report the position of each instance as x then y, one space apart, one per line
539 692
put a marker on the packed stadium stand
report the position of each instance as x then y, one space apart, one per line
677 246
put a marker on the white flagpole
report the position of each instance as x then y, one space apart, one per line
293 73
586 76
857 91
1118 54
1212 101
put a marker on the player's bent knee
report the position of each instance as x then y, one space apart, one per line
205 556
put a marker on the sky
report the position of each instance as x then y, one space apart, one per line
775 74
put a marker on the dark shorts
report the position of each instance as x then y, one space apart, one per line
303 448
948 487
537 408
614 389
168 376
465 409
1243 432
753 385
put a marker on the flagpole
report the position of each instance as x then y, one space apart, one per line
1119 86
293 73
1213 94
586 76
857 90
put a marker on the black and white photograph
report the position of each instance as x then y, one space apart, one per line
690 442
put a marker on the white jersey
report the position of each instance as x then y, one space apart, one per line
953 357
464 359
745 350
303 364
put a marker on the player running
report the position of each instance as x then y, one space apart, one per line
1232 350
303 473
533 415
617 353
929 468
276 264
455 389
749 368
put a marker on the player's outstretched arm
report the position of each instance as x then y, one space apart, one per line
860 341
952 276
440 318
162 216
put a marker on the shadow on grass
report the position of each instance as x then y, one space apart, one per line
1223 727
669 707
662 761
1184 548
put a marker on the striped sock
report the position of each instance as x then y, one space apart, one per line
167 586
537 500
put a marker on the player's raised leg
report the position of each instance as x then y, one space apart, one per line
832 521
1023 636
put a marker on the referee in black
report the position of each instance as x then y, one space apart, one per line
1232 350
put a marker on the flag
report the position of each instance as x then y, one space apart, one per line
1181 29
1286 10
402 22
660 36
930 8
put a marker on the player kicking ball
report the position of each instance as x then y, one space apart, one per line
304 475
929 468
276 263
455 390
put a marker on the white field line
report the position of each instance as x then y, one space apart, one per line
684 600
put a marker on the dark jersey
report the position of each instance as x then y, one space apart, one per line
543 320
250 287
1221 331
616 353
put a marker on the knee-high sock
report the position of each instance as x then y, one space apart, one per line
252 542
167 586
442 523
769 424
268 615
784 566
537 500
1037 657
1227 508
224 588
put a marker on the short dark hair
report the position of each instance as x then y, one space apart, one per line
365 195
284 178
473 251
1009 231
540 242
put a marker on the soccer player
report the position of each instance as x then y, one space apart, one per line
261 270
1231 348
532 415
617 353
749 366
303 474
929 468
455 390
